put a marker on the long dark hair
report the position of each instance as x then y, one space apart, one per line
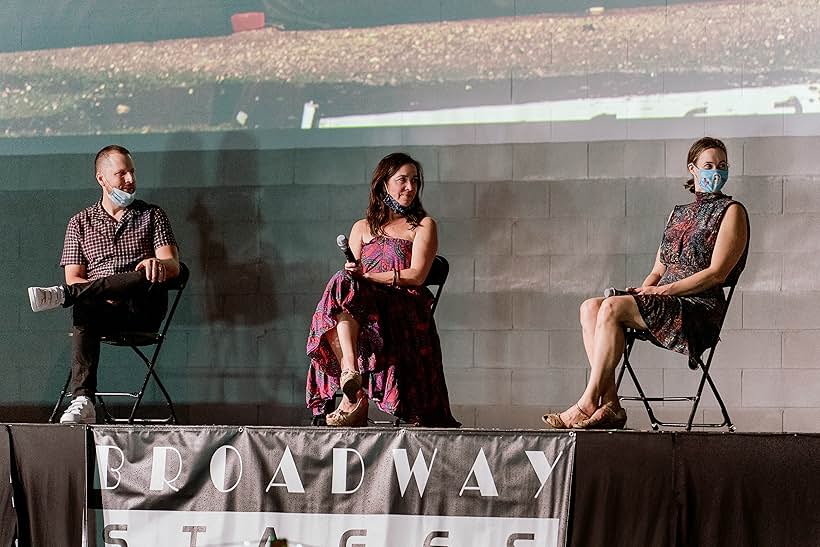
378 213
699 146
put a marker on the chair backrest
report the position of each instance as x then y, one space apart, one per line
437 276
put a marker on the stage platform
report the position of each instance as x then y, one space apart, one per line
627 488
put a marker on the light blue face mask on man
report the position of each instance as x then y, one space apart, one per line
121 198
713 180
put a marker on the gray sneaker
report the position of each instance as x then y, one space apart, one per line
46 298
80 411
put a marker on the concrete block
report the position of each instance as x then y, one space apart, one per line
301 240
461 278
549 236
10 177
801 195
473 163
457 349
763 273
349 204
734 315
510 416
745 126
646 355
279 348
567 349
548 387
785 232
781 388
607 235
427 156
176 169
538 311
553 161
475 238
465 414
638 267
450 200
507 273
588 198
749 419
10 241
479 386
331 166
654 197
786 310
798 272
283 203
475 311
801 349
638 420
512 200
773 156
76 171
255 167
684 382
805 420
582 273
741 349
762 195
511 349
622 159
651 381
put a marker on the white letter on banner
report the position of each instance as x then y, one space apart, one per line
102 465
420 470
483 477
219 467
158 479
289 474
339 482
542 467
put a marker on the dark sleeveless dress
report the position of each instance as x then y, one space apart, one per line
689 324
399 352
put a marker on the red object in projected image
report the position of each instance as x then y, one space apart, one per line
248 20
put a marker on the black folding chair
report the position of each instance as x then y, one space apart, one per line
695 363
436 277
137 340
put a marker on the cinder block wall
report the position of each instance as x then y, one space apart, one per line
530 231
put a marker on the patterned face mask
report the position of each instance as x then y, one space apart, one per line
395 206
713 180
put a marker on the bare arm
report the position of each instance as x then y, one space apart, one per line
74 273
164 266
425 246
729 247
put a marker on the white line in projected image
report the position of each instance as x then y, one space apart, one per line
790 99
324 73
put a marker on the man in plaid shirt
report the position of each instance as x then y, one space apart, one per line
116 255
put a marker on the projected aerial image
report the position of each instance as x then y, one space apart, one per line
670 62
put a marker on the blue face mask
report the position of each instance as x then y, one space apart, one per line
713 180
121 198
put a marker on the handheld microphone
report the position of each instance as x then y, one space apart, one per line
341 241
612 291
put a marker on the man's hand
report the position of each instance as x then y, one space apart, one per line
155 270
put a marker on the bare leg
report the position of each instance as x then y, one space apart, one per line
607 344
343 341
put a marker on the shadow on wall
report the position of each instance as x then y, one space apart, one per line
232 286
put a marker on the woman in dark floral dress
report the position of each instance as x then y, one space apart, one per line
373 333
681 302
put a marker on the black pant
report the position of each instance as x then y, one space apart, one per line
117 303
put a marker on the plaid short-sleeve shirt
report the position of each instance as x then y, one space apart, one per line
105 246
